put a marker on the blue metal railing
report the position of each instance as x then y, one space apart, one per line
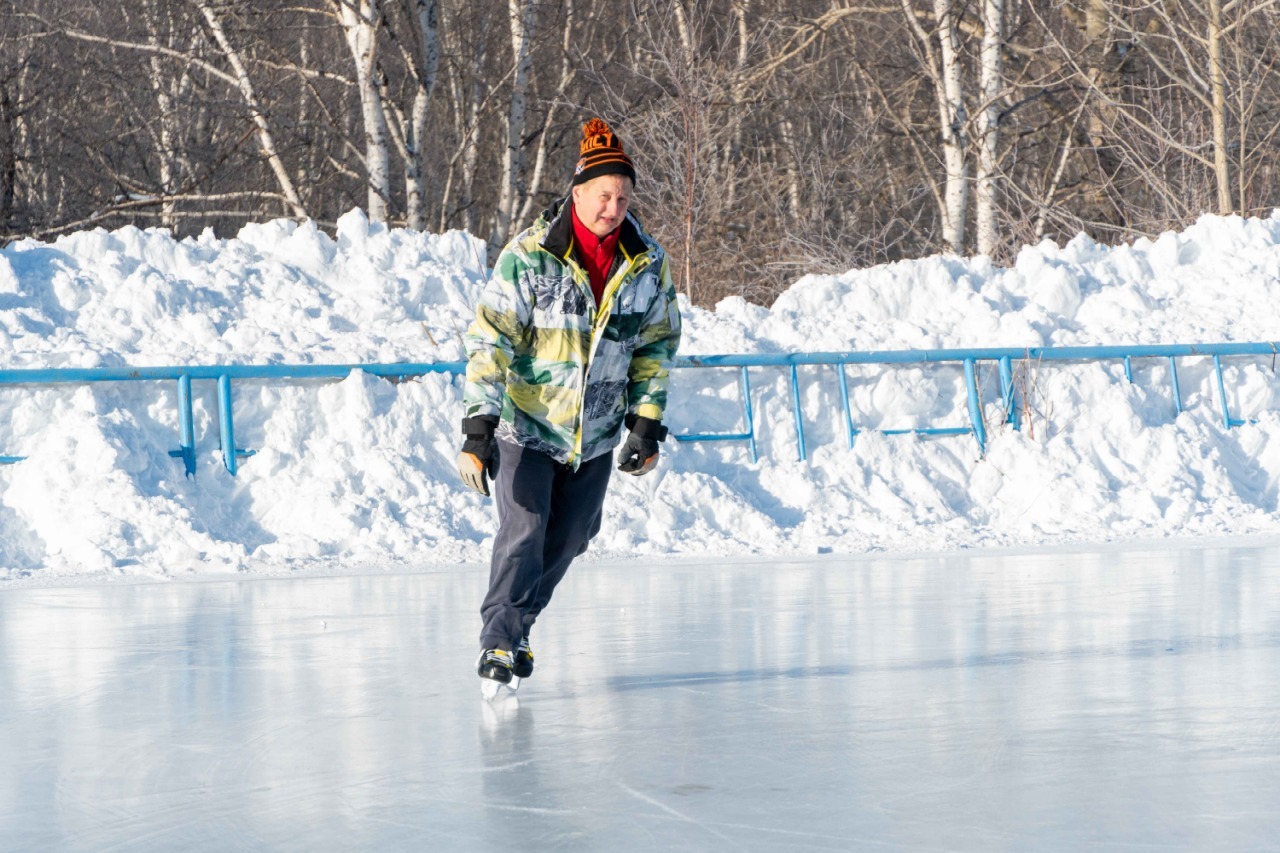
969 360
222 375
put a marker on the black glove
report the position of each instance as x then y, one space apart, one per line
475 462
639 453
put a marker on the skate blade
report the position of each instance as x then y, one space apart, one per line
496 690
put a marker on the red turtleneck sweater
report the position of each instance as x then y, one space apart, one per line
595 254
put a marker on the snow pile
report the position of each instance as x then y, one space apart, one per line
359 473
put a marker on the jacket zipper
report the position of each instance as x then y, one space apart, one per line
632 267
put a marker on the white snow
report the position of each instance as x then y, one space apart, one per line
359 473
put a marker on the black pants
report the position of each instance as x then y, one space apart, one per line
547 513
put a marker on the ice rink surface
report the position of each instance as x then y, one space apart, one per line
1112 698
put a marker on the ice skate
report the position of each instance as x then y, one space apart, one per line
522 666
496 678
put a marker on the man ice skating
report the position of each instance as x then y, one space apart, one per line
571 342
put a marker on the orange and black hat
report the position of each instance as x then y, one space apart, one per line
601 154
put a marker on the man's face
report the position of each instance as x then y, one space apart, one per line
601 203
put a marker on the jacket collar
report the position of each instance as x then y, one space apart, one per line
559 237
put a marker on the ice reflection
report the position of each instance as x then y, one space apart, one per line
1048 700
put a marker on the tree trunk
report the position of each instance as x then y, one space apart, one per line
511 189
8 157
792 169
472 97
422 15
568 72
739 91
989 125
691 116
462 85
360 21
952 118
1218 94
1097 48
1102 117
169 131
265 139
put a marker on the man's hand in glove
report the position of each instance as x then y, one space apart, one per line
639 453
479 452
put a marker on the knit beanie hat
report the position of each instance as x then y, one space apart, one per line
601 154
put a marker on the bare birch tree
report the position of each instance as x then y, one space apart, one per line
465 41
240 75
412 26
360 20
169 91
940 50
424 20
553 106
992 87
16 70
510 185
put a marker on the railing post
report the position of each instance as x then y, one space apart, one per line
1006 391
226 427
844 400
975 407
747 413
1177 394
795 403
186 425
1222 395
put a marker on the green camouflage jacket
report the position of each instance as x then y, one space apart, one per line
559 371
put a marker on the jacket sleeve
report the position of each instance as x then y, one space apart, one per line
651 359
500 328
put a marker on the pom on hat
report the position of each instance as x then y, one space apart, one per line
601 153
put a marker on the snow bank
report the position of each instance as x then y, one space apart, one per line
359 473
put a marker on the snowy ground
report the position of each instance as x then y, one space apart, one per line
1110 698
359 474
